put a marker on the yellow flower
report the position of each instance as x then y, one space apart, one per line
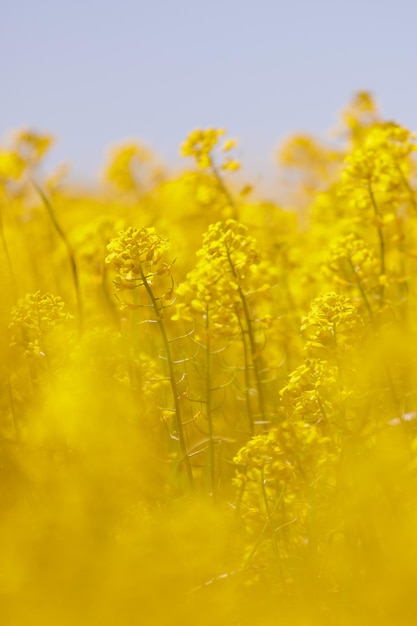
11 165
34 316
137 256
132 167
350 260
200 145
212 288
332 326
381 162
231 165
311 392
229 144
32 146
136 253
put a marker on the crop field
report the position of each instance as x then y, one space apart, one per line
209 400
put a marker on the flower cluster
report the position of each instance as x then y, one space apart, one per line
137 253
32 318
132 167
349 255
137 256
32 146
11 165
331 326
360 115
229 242
27 150
353 265
311 392
278 476
200 145
214 288
378 169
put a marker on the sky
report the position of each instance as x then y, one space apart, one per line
94 73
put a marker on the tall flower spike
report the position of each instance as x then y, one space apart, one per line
137 255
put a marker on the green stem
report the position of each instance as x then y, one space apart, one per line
171 370
70 251
13 410
8 259
223 188
380 235
247 377
408 187
209 407
268 512
362 291
255 356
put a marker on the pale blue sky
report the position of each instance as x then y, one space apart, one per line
94 72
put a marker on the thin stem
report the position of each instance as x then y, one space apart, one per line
209 407
70 251
247 378
268 512
408 187
223 188
380 235
362 291
8 259
268 525
171 370
253 347
13 410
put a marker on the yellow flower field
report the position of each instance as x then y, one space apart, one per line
209 401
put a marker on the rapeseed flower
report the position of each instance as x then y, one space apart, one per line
236 432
